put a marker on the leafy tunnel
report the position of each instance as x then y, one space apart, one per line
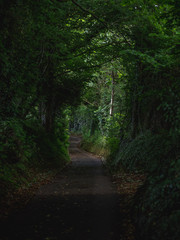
107 70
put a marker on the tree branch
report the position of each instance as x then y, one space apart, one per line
89 12
87 51
99 20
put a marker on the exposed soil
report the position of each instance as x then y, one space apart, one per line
81 203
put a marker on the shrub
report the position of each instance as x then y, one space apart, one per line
147 152
95 143
25 145
157 205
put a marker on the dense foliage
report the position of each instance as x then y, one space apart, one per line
141 130
42 64
117 60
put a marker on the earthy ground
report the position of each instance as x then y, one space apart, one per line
81 203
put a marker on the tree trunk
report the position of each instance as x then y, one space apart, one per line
134 119
112 94
49 117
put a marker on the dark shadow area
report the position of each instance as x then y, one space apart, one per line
81 203
67 217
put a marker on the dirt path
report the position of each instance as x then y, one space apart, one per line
80 204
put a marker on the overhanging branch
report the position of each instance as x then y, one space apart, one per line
98 19
89 12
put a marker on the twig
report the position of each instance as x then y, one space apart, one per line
99 20
89 12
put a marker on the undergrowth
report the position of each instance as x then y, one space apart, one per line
146 152
26 149
95 144
100 145
156 205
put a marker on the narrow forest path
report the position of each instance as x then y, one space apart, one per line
81 203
